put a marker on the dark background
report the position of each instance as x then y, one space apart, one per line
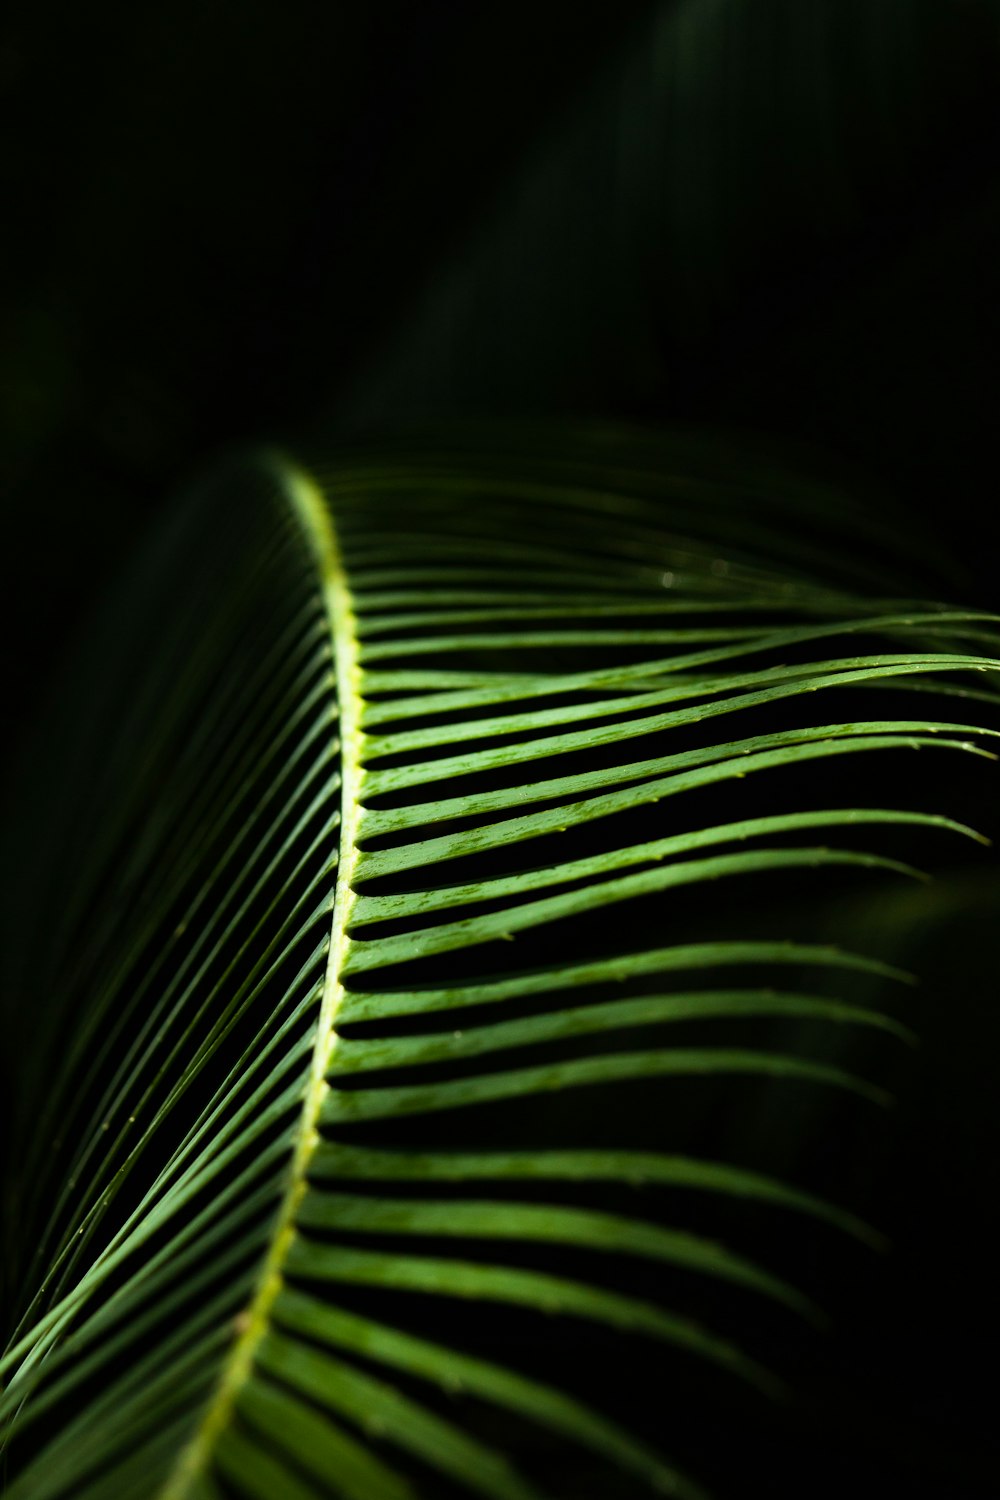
779 219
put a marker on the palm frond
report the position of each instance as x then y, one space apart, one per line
386 835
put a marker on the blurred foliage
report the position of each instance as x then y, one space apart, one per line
779 214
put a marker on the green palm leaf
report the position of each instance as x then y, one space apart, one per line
385 822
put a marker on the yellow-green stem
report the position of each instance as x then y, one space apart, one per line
308 502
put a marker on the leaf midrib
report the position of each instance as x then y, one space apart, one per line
309 503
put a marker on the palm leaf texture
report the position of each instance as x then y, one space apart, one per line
402 830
